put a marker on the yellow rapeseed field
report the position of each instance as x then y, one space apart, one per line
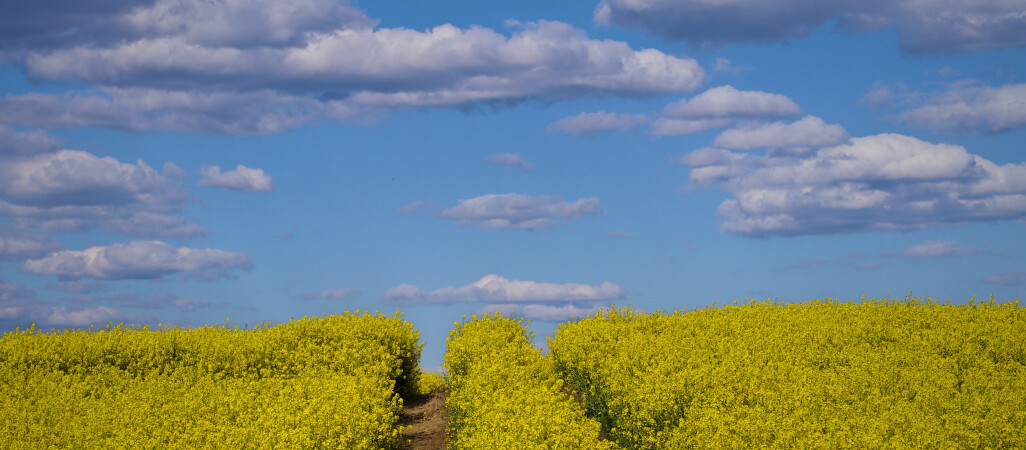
503 394
888 373
327 382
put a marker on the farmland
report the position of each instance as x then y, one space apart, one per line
327 382
822 374
877 373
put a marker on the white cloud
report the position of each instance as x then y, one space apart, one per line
922 25
495 289
244 23
590 124
80 317
331 294
139 260
72 190
172 170
1014 278
20 307
726 102
724 65
969 108
258 67
27 142
806 133
518 211
883 95
679 127
544 313
940 249
241 179
509 160
442 66
875 183
141 109
20 245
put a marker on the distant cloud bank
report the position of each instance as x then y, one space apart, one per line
139 260
589 124
536 300
258 67
518 211
876 183
923 26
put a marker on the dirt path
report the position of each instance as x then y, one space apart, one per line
424 419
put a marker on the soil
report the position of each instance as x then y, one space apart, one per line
423 419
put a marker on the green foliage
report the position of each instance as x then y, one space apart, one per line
822 374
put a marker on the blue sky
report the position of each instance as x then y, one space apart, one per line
184 161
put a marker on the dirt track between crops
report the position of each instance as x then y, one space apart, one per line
423 419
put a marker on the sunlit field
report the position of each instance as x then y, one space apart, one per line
822 374
326 382
879 373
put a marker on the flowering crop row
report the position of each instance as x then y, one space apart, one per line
821 374
503 394
328 382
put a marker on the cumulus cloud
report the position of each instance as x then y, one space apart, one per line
724 65
590 124
442 66
806 133
1014 278
922 25
342 293
21 245
509 160
139 260
518 211
20 307
679 127
241 179
172 170
543 313
258 67
967 107
68 316
728 102
72 190
886 95
875 183
722 107
25 26
940 249
143 109
27 142
495 289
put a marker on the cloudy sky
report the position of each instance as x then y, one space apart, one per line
185 161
